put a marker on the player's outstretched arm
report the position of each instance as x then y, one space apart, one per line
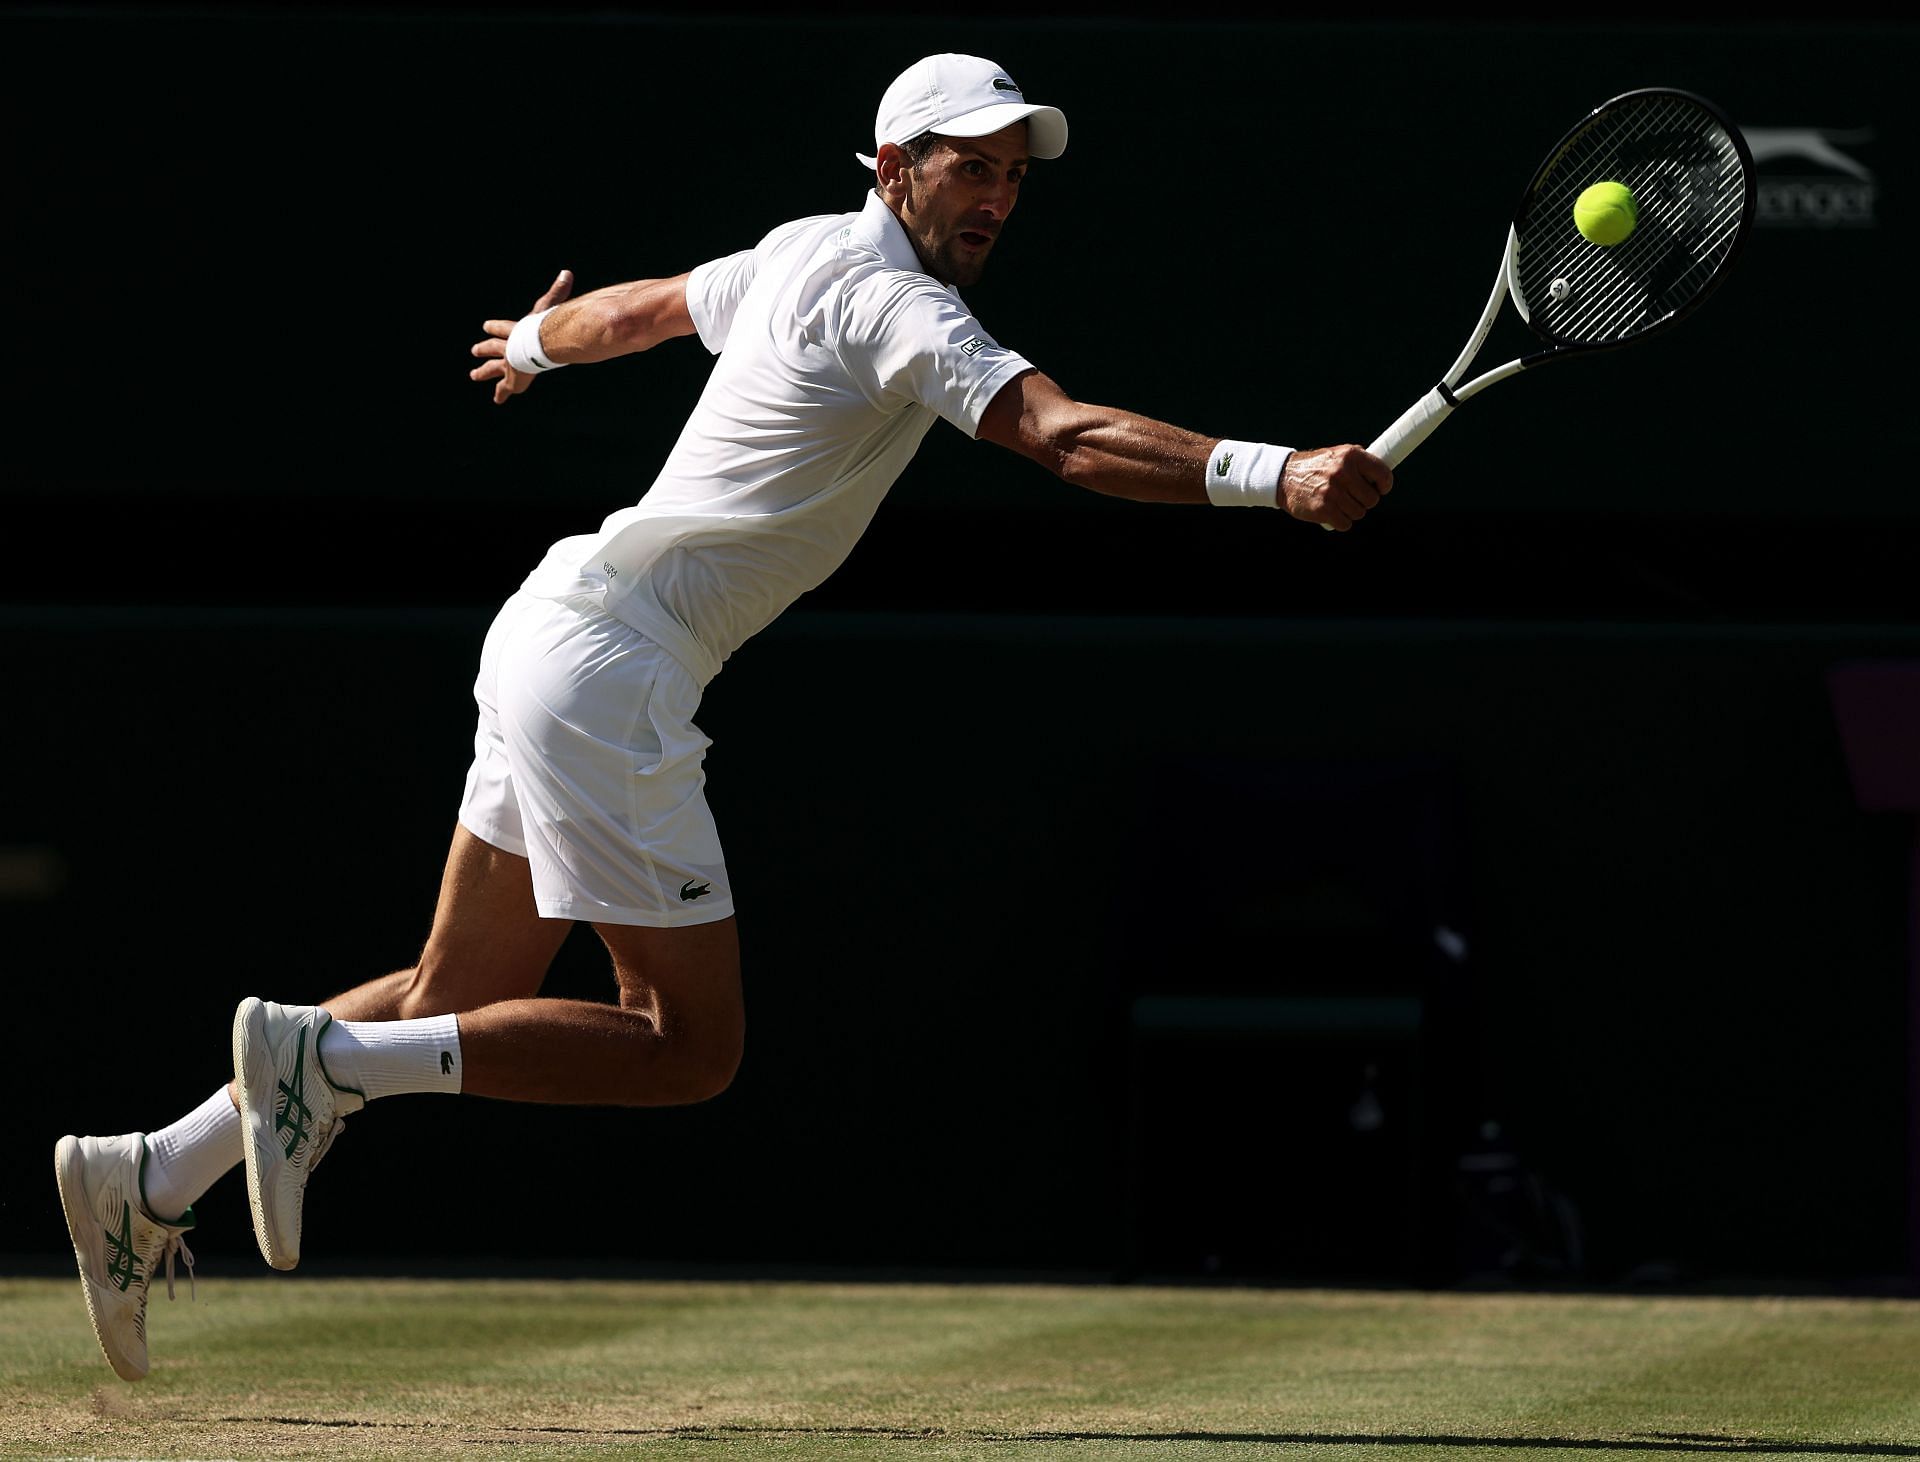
621 319
1132 456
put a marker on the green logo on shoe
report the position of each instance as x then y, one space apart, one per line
121 1269
292 1115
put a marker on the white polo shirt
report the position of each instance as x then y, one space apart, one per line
837 350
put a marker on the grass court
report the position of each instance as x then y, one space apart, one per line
303 1367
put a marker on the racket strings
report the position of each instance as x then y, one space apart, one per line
1690 187
1651 280
1614 290
1610 298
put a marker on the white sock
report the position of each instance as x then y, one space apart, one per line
387 1057
186 1159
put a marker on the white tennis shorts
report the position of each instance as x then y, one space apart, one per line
586 762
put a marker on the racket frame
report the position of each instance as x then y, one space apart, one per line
1396 443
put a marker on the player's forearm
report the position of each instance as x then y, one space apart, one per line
621 319
1126 455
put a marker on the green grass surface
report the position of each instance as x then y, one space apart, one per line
294 1367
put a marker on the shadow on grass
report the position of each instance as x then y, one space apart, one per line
1650 1442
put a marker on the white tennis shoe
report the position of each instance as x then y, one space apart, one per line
116 1241
290 1114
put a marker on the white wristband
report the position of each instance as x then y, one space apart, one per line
523 346
1246 474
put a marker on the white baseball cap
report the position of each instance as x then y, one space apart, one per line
962 96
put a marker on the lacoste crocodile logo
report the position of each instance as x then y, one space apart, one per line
1220 467
695 888
446 1063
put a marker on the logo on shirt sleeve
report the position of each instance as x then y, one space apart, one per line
975 345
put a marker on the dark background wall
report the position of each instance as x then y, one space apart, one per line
1127 889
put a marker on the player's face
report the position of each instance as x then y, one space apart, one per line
958 200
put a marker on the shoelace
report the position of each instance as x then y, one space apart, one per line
325 1146
177 1244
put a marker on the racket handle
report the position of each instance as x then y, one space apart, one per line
1414 427
1394 445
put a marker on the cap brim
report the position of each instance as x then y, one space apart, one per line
1046 126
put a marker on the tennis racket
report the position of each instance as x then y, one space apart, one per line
1692 181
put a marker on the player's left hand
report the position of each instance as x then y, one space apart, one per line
507 382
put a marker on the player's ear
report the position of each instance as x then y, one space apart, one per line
892 171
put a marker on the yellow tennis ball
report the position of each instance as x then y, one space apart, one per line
1605 213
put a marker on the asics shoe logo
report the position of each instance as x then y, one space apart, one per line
121 1268
291 1113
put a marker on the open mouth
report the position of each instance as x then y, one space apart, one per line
974 239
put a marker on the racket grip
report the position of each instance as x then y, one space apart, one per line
1394 445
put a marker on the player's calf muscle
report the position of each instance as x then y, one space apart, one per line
569 1051
381 999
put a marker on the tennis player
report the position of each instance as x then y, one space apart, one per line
839 339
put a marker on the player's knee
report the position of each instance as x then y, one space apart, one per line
698 1069
713 1070
726 1064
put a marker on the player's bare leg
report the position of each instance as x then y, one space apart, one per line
488 942
675 1036
467 1019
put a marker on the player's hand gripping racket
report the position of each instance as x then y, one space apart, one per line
1691 181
